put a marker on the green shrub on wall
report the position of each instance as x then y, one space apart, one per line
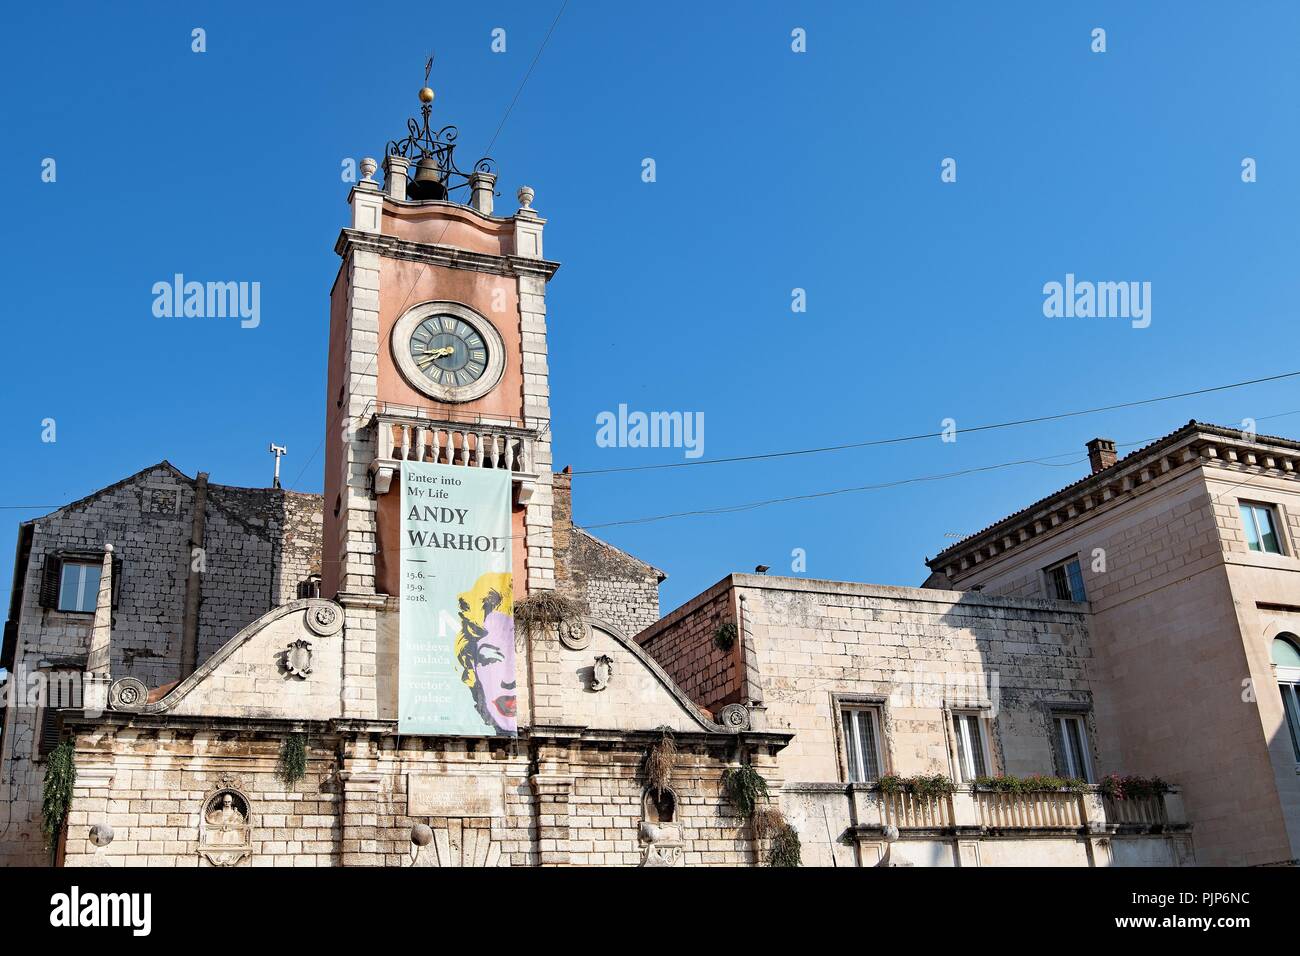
744 786
56 798
293 759
1034 783
724 638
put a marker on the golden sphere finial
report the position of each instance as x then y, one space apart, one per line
426 95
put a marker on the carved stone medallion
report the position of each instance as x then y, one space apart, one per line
734 717
127 693
297 659
575 635
324 619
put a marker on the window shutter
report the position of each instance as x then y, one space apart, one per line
49 593
49 728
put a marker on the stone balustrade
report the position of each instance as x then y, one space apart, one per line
979 809
411 436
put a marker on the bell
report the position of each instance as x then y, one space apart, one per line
427 183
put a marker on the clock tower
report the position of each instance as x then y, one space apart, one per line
437 353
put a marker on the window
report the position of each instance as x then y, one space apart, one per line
1075 759
79 586
972 747
862 743
1065 581
1286 661
1261 528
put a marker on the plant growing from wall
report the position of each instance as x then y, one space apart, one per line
1116 787
660 761
922 785
293 759
542 610
56 797
1034 783
771 826
724 638
745 786
785 846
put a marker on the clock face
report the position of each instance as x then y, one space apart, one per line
449 351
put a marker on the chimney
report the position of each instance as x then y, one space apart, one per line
1101 454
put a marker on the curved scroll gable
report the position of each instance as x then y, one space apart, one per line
288 663
628 691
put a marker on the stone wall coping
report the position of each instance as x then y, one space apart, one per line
765 582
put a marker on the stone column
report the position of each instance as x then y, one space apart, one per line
552 785
538 519
359 805
395 176
96 678
481 187
361 367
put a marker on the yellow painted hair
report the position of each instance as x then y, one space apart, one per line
471 604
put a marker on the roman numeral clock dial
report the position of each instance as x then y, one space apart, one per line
449 351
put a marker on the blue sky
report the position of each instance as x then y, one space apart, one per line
775 171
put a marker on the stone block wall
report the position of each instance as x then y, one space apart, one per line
154 803
259 543
614 586
683 645
354 805
912 652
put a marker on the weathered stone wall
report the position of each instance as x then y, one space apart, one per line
1176 629
684 645
257 543
132 781
908 650
614 586
585 809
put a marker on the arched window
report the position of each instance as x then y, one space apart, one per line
1286 661
1285 651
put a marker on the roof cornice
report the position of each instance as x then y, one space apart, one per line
452 257
1193 445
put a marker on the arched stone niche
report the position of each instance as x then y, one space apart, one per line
225 827
660 833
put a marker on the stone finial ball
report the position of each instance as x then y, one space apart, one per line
101 834
890 833
526 196
426 95
421 834
368 166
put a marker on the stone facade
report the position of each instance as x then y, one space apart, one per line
258 546
1182 616
914 657
612 584
569 790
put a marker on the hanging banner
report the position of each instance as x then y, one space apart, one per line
457 635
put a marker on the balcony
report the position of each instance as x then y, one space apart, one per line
404 433
980 827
